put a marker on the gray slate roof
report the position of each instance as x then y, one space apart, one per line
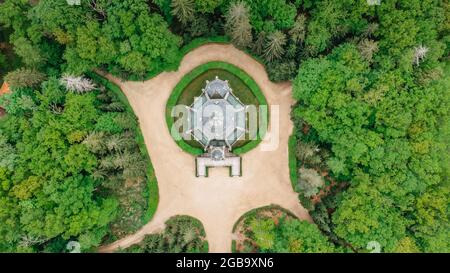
217 117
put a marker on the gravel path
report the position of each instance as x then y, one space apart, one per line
219 200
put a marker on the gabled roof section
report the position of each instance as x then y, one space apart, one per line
217 89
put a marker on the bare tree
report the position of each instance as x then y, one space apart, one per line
237 11
258 45
95 142
308 154
370 30
56 109
27 241
135 170
115 106
77 84
298 31
183 10
420 53
367 48
107 163
310 181
237 24
116 143
99 174
190 234
275 45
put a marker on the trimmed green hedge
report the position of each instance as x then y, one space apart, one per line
293 174
152 192
243 76
233 246
203 41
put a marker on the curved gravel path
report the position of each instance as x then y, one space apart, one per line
219 200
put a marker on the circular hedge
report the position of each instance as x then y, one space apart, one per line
179 96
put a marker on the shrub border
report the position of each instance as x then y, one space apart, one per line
152 191
292 143
242 75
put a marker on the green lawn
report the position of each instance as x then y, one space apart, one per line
240 89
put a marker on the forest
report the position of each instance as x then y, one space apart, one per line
370 152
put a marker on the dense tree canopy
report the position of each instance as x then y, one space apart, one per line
371 119
123 36
381 114
50 172
56 184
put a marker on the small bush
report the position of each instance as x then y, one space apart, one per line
282 71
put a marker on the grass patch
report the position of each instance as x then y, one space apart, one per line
293 174
244 87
